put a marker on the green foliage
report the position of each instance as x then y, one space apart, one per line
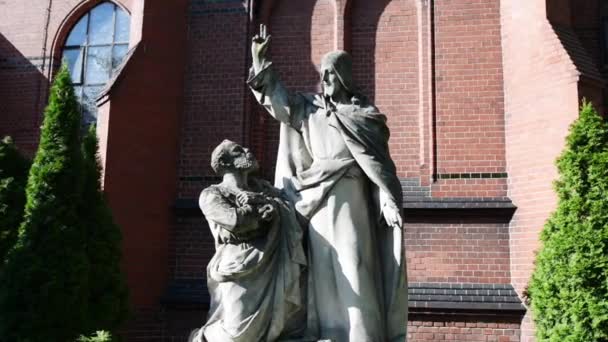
569 287
107 299
100 336
43 288
13 177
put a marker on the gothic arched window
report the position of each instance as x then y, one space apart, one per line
94 48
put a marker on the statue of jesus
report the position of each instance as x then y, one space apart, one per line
334 163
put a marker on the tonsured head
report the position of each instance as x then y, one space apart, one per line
230 156
337 73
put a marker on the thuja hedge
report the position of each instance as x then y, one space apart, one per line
107 294
569 287
62 274
44 284
13 177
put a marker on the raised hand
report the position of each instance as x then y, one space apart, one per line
259 46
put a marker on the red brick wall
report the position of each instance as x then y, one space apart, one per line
541 102
142 147
470 251
23 83
214 100
467 330
214 88
389 43
22 86
192 248
385 66
586 17
470 98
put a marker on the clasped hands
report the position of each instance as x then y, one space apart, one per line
255 203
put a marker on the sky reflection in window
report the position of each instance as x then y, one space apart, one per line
94 48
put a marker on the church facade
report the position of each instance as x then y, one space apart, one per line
479 95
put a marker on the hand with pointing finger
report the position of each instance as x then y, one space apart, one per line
392 215
259 46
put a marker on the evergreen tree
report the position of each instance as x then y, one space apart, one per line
43 289
13 177
569 287
108 292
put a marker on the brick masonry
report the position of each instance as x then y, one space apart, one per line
462 330
462 252
543 83
478 101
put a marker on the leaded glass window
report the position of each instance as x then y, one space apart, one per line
94 48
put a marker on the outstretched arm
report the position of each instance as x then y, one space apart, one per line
266 86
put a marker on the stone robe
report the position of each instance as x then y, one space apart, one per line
335 164
254 278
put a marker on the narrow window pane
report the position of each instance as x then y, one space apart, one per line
89 104
122 26
101 25
118 54
99 64
73 57
78 35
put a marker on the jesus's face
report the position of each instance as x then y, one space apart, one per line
331 83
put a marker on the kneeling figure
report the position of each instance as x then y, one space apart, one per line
255 277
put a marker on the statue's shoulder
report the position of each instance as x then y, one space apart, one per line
213 191
371 109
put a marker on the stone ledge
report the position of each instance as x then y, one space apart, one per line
459 297
458 203
433 298
188 207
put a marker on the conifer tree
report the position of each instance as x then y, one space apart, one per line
13 177
43 288
569 287
107 299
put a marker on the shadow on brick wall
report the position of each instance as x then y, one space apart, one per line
302 32
23 92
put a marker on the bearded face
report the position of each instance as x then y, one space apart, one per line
242 158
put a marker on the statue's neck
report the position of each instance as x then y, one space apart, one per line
236 180
341 98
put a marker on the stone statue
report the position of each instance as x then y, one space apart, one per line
334 163
254 278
